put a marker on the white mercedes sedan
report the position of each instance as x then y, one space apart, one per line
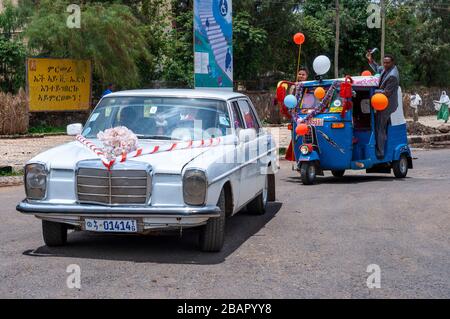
201 157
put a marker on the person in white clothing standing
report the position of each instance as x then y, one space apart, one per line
415 102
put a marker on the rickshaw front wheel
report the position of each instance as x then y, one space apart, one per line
338 173
400 167
308 173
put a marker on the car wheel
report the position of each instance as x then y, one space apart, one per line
55 234
338 173
308 173
212 235
258 205
400 167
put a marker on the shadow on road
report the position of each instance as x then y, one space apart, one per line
350 179
164 248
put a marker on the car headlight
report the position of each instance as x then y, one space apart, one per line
195 185
35 181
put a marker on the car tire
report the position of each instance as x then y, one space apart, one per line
338 173
271 193
308 173
212 235
400 167
55 234
258 205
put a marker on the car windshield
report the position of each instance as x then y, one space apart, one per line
164 118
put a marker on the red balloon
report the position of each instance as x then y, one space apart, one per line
299 38
301 129
281 94
366 73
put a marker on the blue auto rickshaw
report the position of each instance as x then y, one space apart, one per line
338 142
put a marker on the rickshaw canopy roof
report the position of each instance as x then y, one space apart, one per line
358 81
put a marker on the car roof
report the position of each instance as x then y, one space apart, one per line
188 93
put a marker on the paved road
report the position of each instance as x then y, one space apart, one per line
317 241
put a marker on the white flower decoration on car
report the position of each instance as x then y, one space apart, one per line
117 140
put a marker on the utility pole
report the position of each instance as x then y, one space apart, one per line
336 43
383 29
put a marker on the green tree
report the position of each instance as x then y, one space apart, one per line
12 51
109 36
178 58
249 43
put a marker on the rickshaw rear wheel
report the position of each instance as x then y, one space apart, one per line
338 173
308 173
400 167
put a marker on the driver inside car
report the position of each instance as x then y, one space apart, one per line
128 117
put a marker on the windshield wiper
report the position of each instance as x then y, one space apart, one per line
156 137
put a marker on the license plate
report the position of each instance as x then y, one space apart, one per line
111 225
316 121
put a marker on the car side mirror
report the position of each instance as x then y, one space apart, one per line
74 129
247 135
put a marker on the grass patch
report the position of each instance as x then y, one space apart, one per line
13 173
46 129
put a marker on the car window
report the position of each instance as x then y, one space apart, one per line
249 116
161 117
238 122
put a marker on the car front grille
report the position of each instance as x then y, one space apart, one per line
96 185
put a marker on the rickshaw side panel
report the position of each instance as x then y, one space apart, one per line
335 146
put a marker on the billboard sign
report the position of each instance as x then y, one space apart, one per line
58 84
213 50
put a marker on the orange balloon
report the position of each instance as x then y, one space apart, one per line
319 93
379 101
366 73
301 129
299 38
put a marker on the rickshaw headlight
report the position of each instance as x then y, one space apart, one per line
304 149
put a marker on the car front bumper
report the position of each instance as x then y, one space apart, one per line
148 217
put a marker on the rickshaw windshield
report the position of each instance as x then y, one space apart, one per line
309 101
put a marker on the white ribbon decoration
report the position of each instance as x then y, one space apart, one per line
210 142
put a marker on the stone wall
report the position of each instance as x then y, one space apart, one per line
264 104
427 95
58 119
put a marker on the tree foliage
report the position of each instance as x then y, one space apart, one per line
134 42
417 33
12 50
109 36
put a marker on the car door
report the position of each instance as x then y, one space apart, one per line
251 173
240 196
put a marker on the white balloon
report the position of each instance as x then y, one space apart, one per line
321 65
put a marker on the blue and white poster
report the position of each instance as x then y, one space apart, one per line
213 50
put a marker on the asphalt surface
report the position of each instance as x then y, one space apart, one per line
315 242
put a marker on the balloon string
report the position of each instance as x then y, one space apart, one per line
298 61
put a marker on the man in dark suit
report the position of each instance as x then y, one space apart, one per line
389 84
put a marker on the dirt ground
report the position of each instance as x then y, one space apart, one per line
16 152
